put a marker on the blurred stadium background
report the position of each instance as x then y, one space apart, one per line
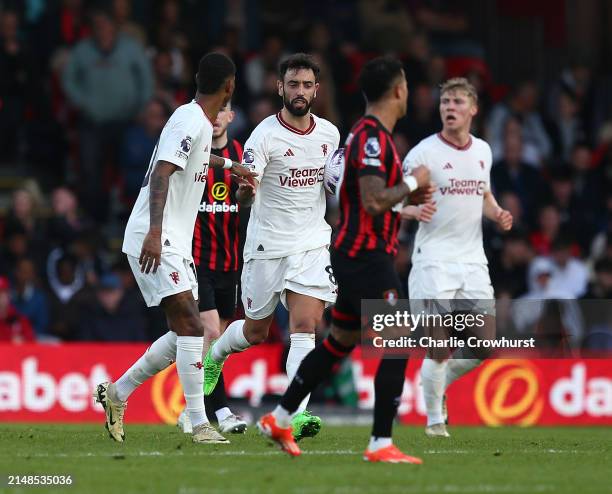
73 151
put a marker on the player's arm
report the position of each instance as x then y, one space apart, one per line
150 254
422 213
493 211
376 198
235 168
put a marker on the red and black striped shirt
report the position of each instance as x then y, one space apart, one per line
369 150
216 234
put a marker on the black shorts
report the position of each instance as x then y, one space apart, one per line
218 290
371 277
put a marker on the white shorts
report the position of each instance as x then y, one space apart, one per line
434 280
174 275
266 281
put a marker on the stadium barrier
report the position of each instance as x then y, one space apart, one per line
53 383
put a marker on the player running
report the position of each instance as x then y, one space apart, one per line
216 256
362 256
158 240
448 260
286 254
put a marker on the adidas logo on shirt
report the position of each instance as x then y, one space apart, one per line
289 153
448 166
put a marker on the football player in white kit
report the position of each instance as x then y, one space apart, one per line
286 256
448 260
158 239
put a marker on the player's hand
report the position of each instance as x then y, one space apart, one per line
422 213
150 255
504 219
242 171
422 195
246 191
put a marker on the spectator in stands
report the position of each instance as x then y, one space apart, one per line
16 86
138 144
111 316
423 118
570 275
509 269
549 221
416 58
566 128
385 24
522 104
66 281
25 214
108 79
265 61
169 86
14 327
512 174
122 12
67 222
29 298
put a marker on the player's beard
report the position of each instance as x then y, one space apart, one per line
297 112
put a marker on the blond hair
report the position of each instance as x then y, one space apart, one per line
459 84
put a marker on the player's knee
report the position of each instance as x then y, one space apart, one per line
304 325
211 333
256 333
189 326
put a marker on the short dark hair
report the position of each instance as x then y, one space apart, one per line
377 77
213 70
299 61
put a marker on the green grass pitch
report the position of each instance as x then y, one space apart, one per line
160 459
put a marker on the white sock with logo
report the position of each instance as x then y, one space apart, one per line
191 374
301 344
231 341
432 379
157 357
223 413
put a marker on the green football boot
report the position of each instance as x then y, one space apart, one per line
305 424
212 371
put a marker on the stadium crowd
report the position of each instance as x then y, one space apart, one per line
86 89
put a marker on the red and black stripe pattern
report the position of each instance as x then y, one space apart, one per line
215 237
369 151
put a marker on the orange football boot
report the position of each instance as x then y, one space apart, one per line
390 454
283 437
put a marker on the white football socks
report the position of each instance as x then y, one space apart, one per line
433 378
282 416
377 443
231 341
457 367
223 413
301 344
191 374
157 357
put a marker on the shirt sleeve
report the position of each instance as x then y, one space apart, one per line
370 152
413 159
255 154
177 138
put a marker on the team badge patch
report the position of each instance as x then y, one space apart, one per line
391 297
372 148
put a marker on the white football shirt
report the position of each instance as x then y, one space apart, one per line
462 176
185 141
288 214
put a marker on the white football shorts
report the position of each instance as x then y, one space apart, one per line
444 281
266 281
174 275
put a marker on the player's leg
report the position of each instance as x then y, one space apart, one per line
261 284
478 292
305 313
432 285
314 369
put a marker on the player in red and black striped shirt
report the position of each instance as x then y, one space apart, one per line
362 255
217 255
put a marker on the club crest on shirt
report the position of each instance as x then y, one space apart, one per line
391 297
372 147
481 164
324 149
186 144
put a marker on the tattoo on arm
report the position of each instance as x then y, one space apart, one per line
376 198
216 162
158 192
